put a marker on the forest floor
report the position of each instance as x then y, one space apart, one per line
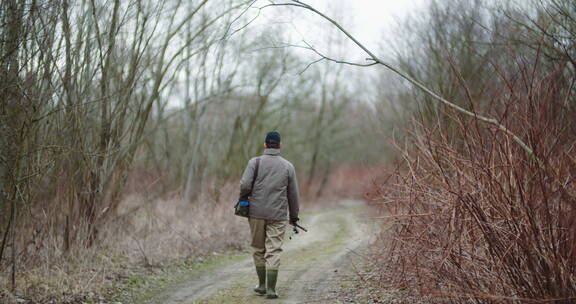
316 265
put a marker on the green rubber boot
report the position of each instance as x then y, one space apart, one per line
271 276
261 288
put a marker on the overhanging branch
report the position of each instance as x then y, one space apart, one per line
377 60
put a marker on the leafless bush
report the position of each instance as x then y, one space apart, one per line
475 219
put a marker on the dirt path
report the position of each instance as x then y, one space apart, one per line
314 264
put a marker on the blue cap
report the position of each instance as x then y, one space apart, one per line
273 138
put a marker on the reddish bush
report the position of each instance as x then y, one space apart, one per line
475 218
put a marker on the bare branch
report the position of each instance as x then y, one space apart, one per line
418 84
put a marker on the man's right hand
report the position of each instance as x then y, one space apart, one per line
294 221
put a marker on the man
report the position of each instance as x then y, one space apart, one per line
274 197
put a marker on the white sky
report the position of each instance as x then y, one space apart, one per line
375 19
368 20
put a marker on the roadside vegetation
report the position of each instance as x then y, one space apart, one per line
475 218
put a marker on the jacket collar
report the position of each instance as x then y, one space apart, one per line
271 151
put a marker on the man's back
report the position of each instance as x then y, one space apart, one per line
275 190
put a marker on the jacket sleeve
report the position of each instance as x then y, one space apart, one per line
293 195
246 181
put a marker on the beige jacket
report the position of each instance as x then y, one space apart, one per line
275 193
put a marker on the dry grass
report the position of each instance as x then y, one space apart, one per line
146 234
177 229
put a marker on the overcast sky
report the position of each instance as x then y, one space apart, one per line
374 19
368 20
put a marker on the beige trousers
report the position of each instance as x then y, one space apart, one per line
267 239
